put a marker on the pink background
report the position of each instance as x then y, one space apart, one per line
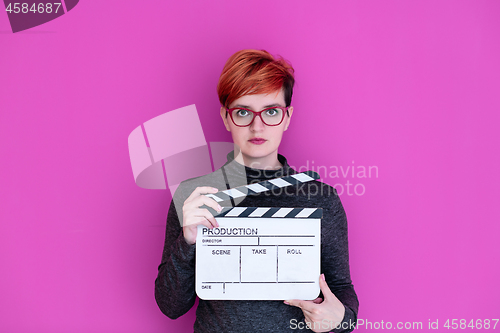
408 86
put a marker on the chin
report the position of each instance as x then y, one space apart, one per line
257 153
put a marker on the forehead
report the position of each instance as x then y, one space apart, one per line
260 101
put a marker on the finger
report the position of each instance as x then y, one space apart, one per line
208 216
318 300
205 222
306 306
201 215
204 200
327 293
201 190
292 302
191 209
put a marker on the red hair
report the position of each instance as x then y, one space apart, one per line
254 72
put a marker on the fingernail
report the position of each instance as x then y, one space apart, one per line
220 208
286 303
323 277
215 189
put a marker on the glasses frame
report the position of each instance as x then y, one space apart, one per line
257 113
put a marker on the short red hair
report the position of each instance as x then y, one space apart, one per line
254 72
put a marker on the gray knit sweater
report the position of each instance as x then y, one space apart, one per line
175 284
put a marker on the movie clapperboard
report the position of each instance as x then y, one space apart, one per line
260 253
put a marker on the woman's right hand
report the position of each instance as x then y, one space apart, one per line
193 215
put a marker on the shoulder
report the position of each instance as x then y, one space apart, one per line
321 188
317 190
322 195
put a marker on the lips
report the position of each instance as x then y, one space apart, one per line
257 141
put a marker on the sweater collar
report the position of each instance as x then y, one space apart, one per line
252 175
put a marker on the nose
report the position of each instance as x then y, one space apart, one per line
257 124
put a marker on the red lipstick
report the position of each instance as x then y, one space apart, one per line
257 141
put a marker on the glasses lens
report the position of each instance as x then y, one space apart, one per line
242 117
272 116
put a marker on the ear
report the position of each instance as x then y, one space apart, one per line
287 121
224 116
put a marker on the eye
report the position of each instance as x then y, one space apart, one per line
272 112
242 113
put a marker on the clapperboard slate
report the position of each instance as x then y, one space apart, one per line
260 253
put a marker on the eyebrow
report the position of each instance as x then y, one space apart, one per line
248 107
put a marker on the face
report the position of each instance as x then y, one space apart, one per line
263 153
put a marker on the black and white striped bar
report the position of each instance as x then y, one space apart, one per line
267 185
272 212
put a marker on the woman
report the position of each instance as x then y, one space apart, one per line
255 91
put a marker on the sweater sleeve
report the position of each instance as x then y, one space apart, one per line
175 284
335 260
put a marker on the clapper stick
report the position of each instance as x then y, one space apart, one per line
265 212
257 188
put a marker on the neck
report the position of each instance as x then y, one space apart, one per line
269 162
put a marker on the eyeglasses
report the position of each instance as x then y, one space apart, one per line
272 116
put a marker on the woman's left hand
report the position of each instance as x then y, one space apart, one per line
321 315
